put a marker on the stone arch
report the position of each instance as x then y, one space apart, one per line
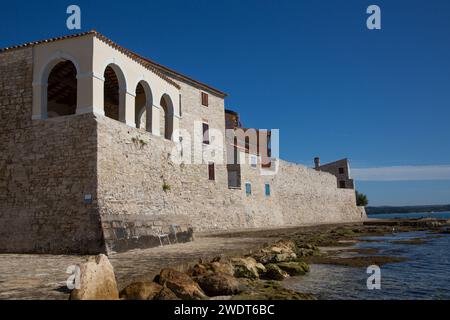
144 106
166 117
58 86
114 92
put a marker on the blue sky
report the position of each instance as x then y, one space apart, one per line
310 68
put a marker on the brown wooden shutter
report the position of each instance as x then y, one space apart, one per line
204 99
211 172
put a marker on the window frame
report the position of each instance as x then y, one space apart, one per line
248 189
267 190
204 99
211 166
205 140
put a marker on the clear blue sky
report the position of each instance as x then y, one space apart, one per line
310 68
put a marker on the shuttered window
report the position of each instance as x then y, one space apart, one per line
211 171
204 99
205 133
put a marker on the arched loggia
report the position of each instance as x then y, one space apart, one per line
114 93
166 117
143 106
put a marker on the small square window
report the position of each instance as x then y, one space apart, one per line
341 171
205 99
211 171
342 184
267 190
248 189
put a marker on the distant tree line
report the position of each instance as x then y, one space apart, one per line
408 209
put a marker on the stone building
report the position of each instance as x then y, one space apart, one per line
340 169
102 150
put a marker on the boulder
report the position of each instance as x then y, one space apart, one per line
280 251
223 267
166 294
97 280
213 267
198 270
219 284
141 291
181 284
294 268
275 273
247 268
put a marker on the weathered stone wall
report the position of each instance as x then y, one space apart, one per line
308 196
46 169
134 166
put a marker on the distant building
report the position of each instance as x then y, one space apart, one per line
340 169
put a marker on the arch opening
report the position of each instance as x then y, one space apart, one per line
114 91
166 117
61 97
143 106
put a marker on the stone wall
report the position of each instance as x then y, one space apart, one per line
134 166
46 169
50 169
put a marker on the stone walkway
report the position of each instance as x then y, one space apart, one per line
44 276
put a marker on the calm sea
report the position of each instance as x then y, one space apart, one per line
445 215
425 275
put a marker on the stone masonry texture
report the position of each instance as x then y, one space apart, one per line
48 168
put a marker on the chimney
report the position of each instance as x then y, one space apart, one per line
317 163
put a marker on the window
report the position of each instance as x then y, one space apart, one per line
341 171
211 171
205 133
253 161
342 184
267 190
204 99
248 189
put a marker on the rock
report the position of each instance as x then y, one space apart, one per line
181 284
166 294
198 270
247 268
307 250
97 280
294 268
213 267
284 257
219 284
223 267
275 273
281 251
141 291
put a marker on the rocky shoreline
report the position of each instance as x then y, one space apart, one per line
258 275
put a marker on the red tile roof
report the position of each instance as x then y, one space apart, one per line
153 66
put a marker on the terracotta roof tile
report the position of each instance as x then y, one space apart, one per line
153 66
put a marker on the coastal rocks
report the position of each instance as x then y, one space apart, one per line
307 250
166 294
247 268
141 291
279 252
97 280
218 265
294 268
219 284
274 272
181 284
270 290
